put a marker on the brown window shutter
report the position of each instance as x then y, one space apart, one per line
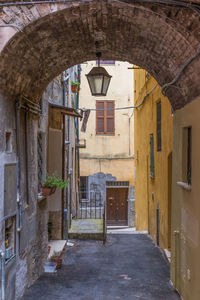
100 117
105 118
110 124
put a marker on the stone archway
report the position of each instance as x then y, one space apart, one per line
54 36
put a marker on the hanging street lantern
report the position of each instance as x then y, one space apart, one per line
98 79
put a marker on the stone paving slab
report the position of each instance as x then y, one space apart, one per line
86 226
86 229
128 267
127 230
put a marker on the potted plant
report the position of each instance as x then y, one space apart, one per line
57 258
74 86
51 183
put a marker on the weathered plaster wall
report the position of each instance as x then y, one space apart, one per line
31 242
122 169
149 193
97 184
7 109
186 207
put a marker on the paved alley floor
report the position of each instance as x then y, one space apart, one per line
128 267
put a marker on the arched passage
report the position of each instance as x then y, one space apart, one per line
53 37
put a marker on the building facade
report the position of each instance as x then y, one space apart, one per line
109 144
33 143
153 159
185 201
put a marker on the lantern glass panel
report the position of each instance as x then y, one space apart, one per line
98 79
91 83
105 84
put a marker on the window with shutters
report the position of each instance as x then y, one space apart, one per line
105 117
159 126
152 174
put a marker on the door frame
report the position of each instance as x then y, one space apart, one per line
117 185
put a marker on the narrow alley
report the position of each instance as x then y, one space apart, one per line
99 149
128 267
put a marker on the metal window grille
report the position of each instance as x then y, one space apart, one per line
152 174
84 187
117 183
10 237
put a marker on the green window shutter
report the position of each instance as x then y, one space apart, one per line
152 156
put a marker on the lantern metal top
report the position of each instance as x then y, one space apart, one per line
98 71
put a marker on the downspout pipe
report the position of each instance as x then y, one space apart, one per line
18 144
65 78
26 157
2 257
65 143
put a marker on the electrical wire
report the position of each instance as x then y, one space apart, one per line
125 107
185 65
11 25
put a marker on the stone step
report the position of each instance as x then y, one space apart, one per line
86 229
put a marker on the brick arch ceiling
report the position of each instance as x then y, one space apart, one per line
158 38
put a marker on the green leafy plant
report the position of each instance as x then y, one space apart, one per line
75 83
54 180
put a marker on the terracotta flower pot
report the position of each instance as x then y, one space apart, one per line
58 261
74 88
47 191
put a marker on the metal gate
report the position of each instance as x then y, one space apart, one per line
92 206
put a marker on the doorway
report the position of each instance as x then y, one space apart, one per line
117 206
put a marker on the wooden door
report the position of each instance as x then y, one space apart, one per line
117 206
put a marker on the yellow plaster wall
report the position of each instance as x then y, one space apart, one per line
122 169
151 192
185 268
109 146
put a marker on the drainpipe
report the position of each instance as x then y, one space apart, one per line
26 157
68 150
2 257
65 78
63 174
65 144
66 223
18 144
77 133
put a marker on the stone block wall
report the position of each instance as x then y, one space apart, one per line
31 241
55 218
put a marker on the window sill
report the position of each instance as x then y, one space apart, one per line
105 134
184 185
